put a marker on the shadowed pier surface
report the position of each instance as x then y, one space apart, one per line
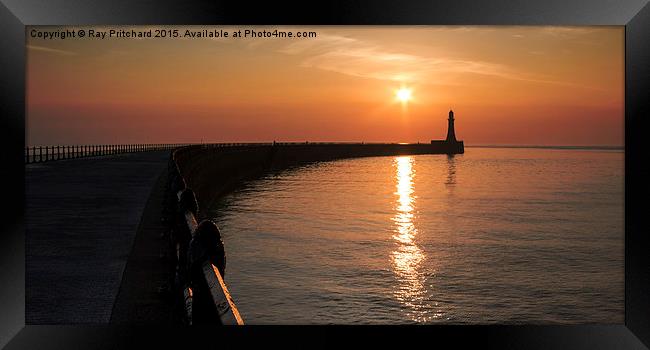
81 220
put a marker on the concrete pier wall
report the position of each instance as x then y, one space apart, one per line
214 171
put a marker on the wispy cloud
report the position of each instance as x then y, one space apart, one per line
566 32
362 59
50 50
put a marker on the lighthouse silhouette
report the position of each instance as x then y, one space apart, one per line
449 145
451 133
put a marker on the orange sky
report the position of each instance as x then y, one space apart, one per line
506 85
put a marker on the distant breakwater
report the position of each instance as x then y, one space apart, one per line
215 170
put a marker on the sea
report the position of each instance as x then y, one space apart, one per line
492 236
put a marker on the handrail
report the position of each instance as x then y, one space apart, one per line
46 153
199 259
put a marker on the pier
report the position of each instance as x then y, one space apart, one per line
115 233
81 219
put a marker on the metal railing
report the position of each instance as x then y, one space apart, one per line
199 258
38 154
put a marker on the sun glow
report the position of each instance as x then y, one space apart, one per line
404 94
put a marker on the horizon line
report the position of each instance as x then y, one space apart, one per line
486 145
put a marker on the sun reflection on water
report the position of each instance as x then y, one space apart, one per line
407 258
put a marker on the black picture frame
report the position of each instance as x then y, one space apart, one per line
16 14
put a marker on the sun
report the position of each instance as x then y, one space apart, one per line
404 94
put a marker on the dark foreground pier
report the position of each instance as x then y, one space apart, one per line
98 241
81 218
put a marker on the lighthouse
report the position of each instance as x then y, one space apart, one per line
451 134
449 145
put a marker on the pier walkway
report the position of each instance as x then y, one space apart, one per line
81 219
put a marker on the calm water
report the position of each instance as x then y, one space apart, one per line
491 236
